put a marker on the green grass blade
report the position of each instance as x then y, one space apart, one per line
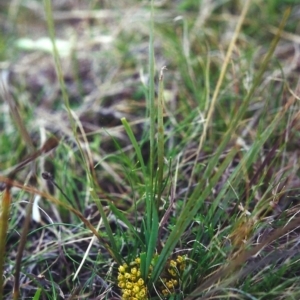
151 245
193 205
151 98
37 294
73 120
219 83
135 146
160 138
248 160
123 218
240 113
151 230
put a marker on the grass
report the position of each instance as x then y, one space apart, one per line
154 183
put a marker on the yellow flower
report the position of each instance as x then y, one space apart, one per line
122 269
126 293
142 293
173 263
179 259
172 272
136 289
129 285
133 271
140 282
138 260
133 287
165 292
130 281
121 285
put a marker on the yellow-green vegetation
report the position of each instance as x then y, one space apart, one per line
169 282
130 281
133 287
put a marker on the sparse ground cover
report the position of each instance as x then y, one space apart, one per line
149 182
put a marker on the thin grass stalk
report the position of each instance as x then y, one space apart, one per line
151 102
227 136
50 23
187 214
240 113
150 196
244 106
198 196
4 91
242 258
206 72
4 218
27 139
160 138
218 87
21 247
32 190
245 255
121 216
144 171
151 223
135 145
94 196
92 180
59 73
152 242
251 156
152 232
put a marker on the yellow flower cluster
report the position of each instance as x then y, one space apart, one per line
129 280
169 282
133 286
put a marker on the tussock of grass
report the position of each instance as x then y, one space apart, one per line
199 160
